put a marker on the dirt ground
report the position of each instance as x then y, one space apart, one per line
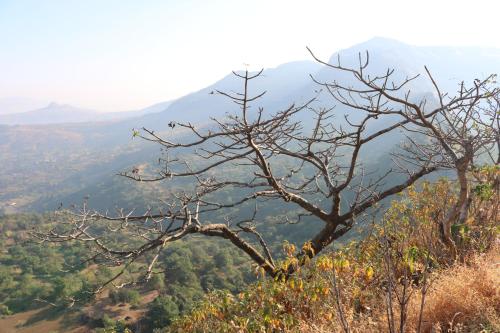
42 321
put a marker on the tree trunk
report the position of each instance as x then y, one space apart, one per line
325 237
459 212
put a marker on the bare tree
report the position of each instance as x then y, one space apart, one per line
326 179
459 128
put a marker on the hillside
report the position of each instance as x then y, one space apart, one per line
280 183
208 287
76 158
249 167
47 287
399 278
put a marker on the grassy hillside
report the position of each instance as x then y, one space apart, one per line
400 275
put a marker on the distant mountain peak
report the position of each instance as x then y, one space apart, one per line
58 113
12 105
53 105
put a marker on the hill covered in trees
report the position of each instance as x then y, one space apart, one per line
207 287
59 279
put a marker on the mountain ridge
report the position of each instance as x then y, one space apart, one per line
57 113
71 155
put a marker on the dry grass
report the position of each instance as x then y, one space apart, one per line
463 298
34 321
18 324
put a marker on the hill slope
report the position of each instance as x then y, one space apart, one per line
44 164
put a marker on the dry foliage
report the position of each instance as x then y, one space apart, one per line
348 290
465 298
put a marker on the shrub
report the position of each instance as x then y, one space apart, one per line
124 296
162 311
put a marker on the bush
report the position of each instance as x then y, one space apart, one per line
112 326
162 311
4 310
124 296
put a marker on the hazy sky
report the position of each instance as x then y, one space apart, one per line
122 55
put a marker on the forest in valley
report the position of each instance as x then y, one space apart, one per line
35 275
209 286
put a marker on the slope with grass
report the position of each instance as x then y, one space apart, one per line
399 278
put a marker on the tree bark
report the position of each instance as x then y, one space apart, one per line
459 212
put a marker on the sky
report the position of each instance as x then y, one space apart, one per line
114 55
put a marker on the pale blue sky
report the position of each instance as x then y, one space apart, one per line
122 55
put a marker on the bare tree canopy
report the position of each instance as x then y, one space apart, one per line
460 129
315 166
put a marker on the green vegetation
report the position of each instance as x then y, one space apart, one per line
206 286
30 272
112 326
162 311
33 275
124 296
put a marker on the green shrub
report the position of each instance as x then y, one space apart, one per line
124 296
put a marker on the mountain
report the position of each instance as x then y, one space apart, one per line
9 105
200 106
155 108
55 113
51 114
448 65
43 165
